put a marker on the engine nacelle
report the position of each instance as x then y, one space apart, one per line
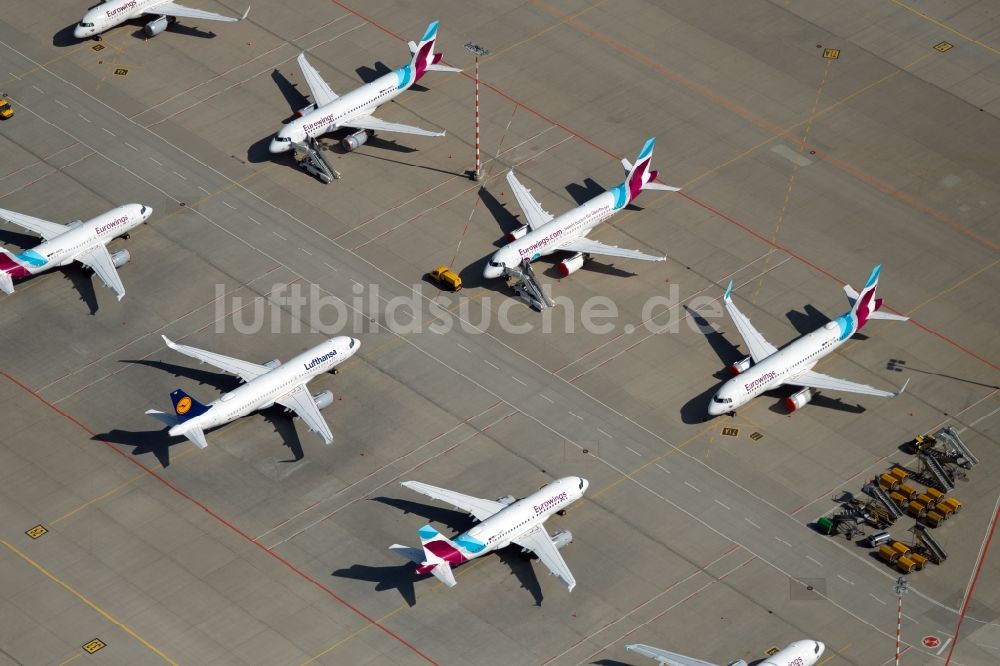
506 500
562 539
569 266
323 400
517 233
74 224
272 364
155 27
304 110
799 399
356 140
740 366
120 258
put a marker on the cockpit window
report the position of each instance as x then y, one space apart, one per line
283 139
142 210
581 484
722 401
86 25
352 343
496 264
816 648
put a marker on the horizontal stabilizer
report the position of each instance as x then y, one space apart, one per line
442 68
197 436
6 283
442 571
660 186
412 46
878 314
168 420
415 555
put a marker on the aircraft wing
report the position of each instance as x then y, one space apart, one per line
98 259
535 215
321 92
540 543
594 247
180 11
45 229
665 658
759 347
480 509
369 122
301 402
818 380
234 366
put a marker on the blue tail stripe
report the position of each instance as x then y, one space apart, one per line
427 532
431 31
646 149
874 277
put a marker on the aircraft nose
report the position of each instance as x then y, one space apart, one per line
149 211
278 146
491 272
714 408
79 32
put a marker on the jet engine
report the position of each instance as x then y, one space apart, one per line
304 110
569 266
740 366
272 364
506 500
517 233
156 26
799 399
74 224
562 539
356 140
120 258
323 400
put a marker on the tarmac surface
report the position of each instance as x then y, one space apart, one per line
799 172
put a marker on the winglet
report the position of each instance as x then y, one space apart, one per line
905 384
729 291
170 343
246 13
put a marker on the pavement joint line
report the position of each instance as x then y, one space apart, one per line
953 286
72 590
945 26
76 655
218 518
544 31
38 180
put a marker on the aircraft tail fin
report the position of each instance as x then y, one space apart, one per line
439 553
864 305
186 407
8 260
424 58
639 176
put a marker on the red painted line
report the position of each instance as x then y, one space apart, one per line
222 520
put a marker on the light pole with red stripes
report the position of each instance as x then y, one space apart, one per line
479 52
900 589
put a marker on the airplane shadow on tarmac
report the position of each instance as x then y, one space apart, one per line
402 577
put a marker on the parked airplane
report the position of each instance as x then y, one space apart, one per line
799 653
792 364
329 112
106 15
267 384
502 522
545 234
63 244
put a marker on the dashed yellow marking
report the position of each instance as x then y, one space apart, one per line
945 26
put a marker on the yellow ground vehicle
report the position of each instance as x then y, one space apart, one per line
446 277
6 111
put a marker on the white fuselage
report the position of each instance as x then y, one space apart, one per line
109 14
799 653
261 392
779 368
524 515
548 238
330 116
65 248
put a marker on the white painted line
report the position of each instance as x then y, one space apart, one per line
575 416
814 561
783 541
723 505
518 380
752 523
464 347
108 131
663 468
230 205
352 280
695 488
633 451
945 644
605 434
131 146
256 222
909 618
85 118
204 190
38 89
492 365
306 251
155 161
877 599
180 175
284 239
61 104
545 397
849 582
15 76
324 263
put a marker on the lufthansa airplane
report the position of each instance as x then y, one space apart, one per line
793 363
330 112
799 653
545 234
502 522
265 385
86 242
106 15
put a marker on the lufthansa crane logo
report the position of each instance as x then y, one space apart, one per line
184 405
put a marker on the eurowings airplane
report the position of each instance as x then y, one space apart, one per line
793 363
328 112
799 653
545 234
86 242
502 522
106 15
271 383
